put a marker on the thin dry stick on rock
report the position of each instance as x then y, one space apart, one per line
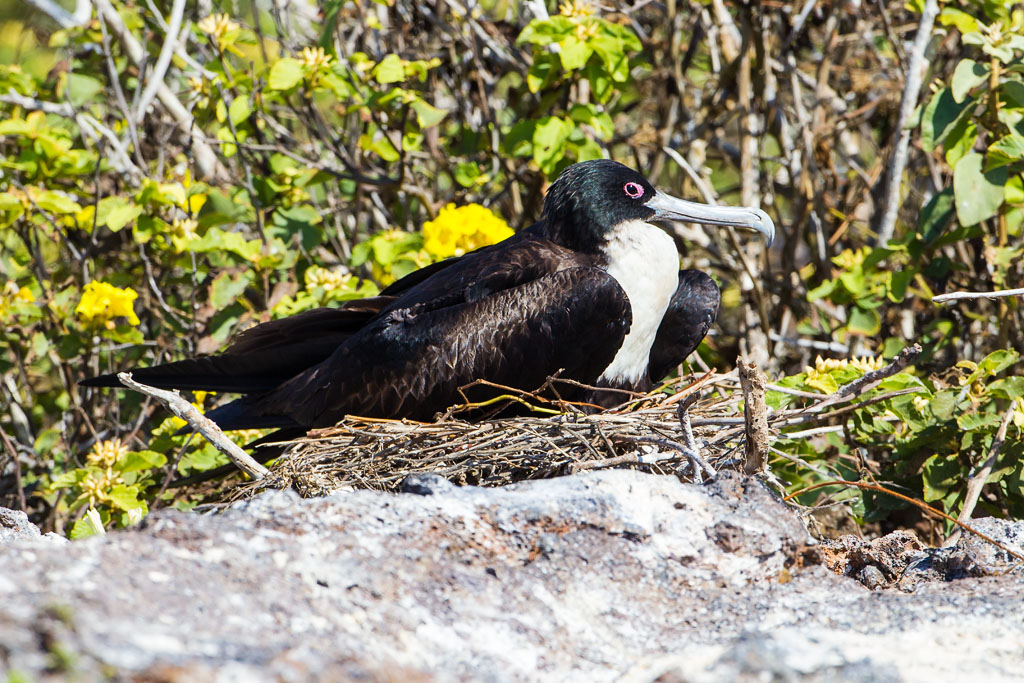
980 477
954 296
202 424
755 415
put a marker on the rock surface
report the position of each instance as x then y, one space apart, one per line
612 575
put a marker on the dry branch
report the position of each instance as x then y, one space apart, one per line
206 159
202 424
871 379
980 477
755 415
911 91
954 296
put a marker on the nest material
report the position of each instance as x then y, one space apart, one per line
375 454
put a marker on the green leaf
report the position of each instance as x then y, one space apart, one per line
995 362
978 194
865 322
55 202
939 474
588 150
901 279
976 421
518 141
1005 150
936 215
549 138
825 383
217 240
427 115
1011 388
1013 193
239 110
944 404
91 524
379 145
960 140
939 117
227 287
967 75
82 89
601 122
1012 92
137 461
389 70
125 498
546 31
574 53
360 254
542 72
116 212
469 174
285 74
1004 53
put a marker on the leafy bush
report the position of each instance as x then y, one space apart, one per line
153 203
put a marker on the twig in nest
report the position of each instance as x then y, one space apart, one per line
691 389
755 416
202 424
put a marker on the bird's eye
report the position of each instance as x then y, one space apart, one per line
633 190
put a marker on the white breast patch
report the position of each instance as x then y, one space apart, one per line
643 259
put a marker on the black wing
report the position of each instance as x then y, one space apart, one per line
410 362
693 308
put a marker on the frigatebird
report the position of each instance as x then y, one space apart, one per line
592 291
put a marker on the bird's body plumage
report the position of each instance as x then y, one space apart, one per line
592 291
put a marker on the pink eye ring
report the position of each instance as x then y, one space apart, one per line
633 190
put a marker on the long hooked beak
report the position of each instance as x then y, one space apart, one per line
669 208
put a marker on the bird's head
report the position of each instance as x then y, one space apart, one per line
591 198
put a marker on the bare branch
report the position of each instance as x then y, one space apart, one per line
911 92
202 424
64 19
954 296
980 477
156 75
206 159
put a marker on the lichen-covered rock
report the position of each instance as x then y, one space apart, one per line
14 526
603 576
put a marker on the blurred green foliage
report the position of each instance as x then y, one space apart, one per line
351 146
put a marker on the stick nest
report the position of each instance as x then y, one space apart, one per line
361 453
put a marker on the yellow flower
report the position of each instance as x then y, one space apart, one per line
456 231
101 302
219 26
106 453
576 9
868 364
327 279
315 58
850 259
12 294
97 485
585 31
185 228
